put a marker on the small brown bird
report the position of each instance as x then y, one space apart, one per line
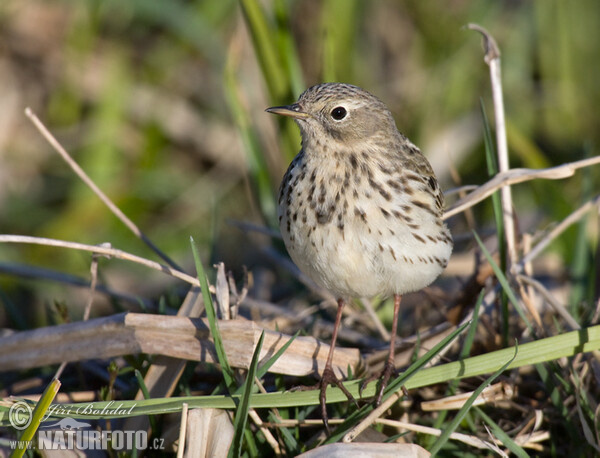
360 209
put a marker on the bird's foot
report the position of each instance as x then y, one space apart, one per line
384 378
329 378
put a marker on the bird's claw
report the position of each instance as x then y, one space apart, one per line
329 378
383 377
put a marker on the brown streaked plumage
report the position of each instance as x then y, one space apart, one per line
359 207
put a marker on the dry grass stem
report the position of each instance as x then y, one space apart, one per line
526 291
490 395
182 430
96 190
405 346
461 190
372 417
222 292
559 229
268 436
383 332
307 422
102 250
515 176
558 308
492 58
93 283
464 438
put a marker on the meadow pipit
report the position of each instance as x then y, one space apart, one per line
360 209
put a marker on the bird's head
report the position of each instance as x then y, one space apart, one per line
339 113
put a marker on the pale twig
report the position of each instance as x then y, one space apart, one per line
88 307
469 440
60 370
88 181
383 332
112 252
559 229
492 58
460 190
93 282
526 291
307 422
530 442
558 308
222 292
182 430
372 417
515 176
268 436
262 425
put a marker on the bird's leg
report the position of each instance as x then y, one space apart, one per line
389 364
329 377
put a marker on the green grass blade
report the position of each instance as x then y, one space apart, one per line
38 415
264 46
501 435
399 382
504 282
287 47
492 168
140 379
465 408
470 337
241 413
582 272
531 353
291 444
339 38
262 370
267 365
395 385
262 185
464 353
212 320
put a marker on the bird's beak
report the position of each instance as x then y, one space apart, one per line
293 111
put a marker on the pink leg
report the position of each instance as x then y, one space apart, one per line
328 377
389 364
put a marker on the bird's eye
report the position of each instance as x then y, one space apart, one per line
338 113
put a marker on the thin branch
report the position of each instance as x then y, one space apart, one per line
93 282
182 430
470 440
460 190
492 58
103 250
558 308
515 176
372 417
383 332
559 229
89 183
263 429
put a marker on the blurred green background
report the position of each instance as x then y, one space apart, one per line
162 103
